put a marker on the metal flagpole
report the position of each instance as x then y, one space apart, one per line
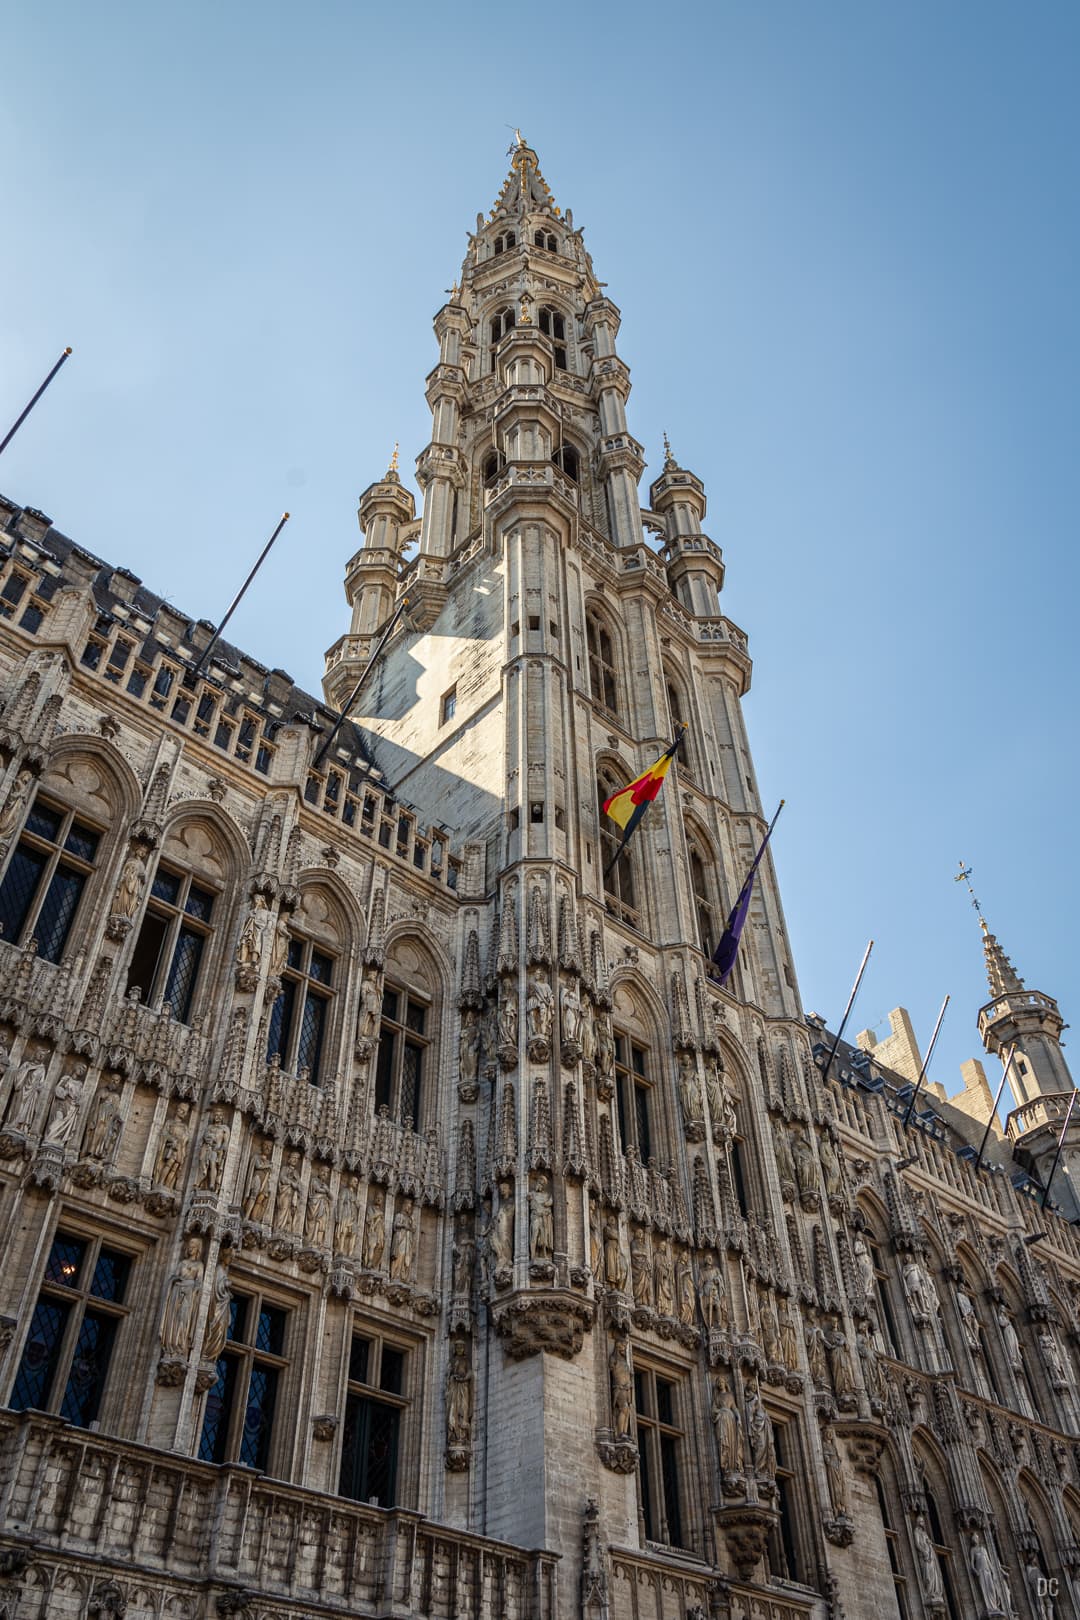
21 419
993 1111
673 751
1057 1154
235 603
902 1164
850 999
355 693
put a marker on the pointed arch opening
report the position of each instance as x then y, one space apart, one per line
600 643
619 877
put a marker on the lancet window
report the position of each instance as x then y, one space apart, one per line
661 1438
241 1405
502 321
601 654
505 241
375 1407
545 240
46 877
553 325
301 1011
620 885
172 940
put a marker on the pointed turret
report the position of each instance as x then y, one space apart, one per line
1000 972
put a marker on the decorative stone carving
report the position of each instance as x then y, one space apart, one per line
347 1218
842 1371
217 1320
257 1189
252 941
508 1025
104 1123
279 947
594 1580
816 1354
746 1532
664 1279
615 1268
459 1407
317 1214
553 1320
761 1445
931 1583
806 1176
541 1223
640 1268
64 1112
12 814
785 1164
713 1295
173 1148
605 1057
539 1011
570 1018
287 1199
622 1389
324 1426
210 1166
374 1231
402 1243
685 1292
920 1291
501 1237
690 1097
27 1090
789 1336
730 1441
988 1579
469 1055
830 1169
128 897
177 1331
463 1257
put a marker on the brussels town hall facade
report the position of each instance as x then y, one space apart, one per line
397 1217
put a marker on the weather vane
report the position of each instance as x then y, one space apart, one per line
964 876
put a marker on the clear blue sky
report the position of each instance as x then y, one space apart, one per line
844 238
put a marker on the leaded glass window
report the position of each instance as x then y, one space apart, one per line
241 1404
73 1330
400 1071
375 1407
172 941
46 877
300 1015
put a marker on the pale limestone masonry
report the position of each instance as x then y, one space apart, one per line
464 1249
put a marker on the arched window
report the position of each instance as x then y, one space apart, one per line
941 1551
620 888
48 870
893 1548
545 240
492 466
505 241
678 712
601 653
874 1282
704 909
553 325
502 321
634 1095
170 959
566 457
301 1033
405 1067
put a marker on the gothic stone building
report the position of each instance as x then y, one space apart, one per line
397 1218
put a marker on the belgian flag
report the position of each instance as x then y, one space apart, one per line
631 802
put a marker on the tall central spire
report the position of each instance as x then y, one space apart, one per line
1003 977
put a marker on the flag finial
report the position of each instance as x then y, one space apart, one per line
392 470
669 459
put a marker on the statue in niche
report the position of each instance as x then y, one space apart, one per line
815 1354
785 1164
287 1202
871 1370
26 1093
843 1374
689 1090
279 946
459 1396
348 1217
665 1279
469 1046
212 1150
830 1166
728 1429
714 1092
926 1562
182 1302
587 1036
988 1576
489 1029
805 1166
501 1236
605 1049
1042 1604
463 1257
714 1302
1052 1358
367 1024
104 1123
129 890
374 1232
770 1333
317 1214
864 1266
759 1434
11 817
508 1017
622 1391
570 1011
257 1190
614 1258
249 947
65 1108
640 1268
483 1246
1010 1340
595 1244
789 1337
684 1287
969 1321
541 1223
834 1472
539 1008
401 1244
919 1290
172 1149
217 1317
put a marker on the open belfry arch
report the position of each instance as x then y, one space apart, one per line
399 1215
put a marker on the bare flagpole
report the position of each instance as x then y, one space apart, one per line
847 1009
19 420
235 603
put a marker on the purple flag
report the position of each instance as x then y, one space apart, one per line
728 948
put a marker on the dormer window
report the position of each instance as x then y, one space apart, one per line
566 457
505 242
544 239
553 325
502 322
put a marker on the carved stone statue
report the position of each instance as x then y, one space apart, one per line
541 1225
374 1232
182 1302
686 1293
26 1093
834 1472
469 1045
539 1007
172 1149
570 1011
919 1289
129 890
689 1090
257 1190
12 814
501 1234
830 1168
665 1279
65 1108
926 1562
622 1391
1010 1340
217 1317
104 1123
367 1024
714 1302
1052 1359
212 1151
770 1333
249 947
815 1354
317 1214
587 1035
871 1370
595 1243
759 1434
459 1396
987 1576
614 1258
279 947
727 1426
348 1217
1042 1604
805 1165
508 1017
464 1256
401 1245
605 1048
789 1336
969 1321
864 1266
843 1374
714 1092
640 1268
785 1164
287 1202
